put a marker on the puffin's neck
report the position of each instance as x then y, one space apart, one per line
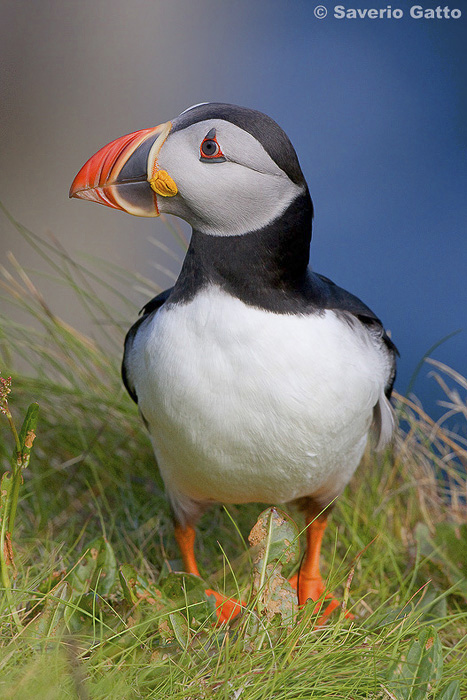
265 268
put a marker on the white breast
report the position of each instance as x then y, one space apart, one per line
247 405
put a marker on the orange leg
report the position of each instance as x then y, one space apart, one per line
308 583
227 608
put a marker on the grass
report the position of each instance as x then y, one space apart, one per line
93 608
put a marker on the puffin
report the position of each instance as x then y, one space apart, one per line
258 379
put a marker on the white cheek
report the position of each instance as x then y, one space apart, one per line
224 198
227 198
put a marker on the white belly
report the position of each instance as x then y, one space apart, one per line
247 405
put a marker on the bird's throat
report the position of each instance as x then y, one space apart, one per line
265 268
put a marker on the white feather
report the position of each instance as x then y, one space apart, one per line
247 405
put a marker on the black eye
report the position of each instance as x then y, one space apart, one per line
210 148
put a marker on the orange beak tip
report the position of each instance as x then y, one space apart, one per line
116 175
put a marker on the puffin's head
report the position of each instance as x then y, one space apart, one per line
224 169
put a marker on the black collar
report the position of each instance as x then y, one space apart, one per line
266 268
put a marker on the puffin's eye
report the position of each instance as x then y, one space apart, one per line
210 149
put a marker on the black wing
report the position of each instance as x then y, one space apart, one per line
329 296
146 311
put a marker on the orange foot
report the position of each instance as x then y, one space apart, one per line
313 588
226 608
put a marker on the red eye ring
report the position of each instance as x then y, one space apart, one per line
210 149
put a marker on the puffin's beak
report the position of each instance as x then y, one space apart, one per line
125 175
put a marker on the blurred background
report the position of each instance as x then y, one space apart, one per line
376 110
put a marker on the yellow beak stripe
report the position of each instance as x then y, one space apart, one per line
163 184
